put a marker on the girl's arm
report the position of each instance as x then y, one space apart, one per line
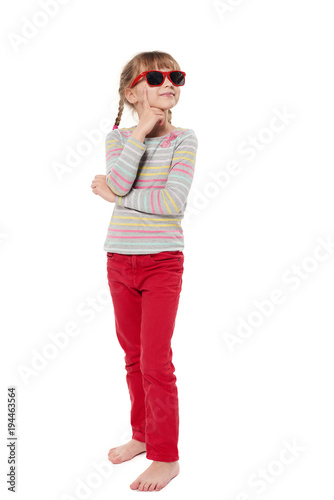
99 186
122 161
172 198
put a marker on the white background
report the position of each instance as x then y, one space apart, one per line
239 406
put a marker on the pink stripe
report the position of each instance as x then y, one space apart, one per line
147 237
120 176
146 187
115 182
145 231
180 169
116 154
152 202
159 201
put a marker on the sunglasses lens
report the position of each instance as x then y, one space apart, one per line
177 77
155 78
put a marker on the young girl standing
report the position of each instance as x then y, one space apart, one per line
150 169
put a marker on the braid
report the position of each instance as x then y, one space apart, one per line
169 119
120 111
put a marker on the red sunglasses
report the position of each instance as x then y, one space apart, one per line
156 78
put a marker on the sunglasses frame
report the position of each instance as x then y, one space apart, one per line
165 73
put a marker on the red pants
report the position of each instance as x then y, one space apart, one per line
145 291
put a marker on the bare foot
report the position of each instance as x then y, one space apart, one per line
156 476
126 451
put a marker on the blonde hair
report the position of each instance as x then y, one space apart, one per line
143 61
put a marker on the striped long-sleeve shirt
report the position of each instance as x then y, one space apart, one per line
151 180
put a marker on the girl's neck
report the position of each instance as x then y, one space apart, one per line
159 132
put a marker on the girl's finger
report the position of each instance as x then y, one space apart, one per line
146 103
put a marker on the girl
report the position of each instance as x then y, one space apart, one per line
150 169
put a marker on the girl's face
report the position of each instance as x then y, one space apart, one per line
154 94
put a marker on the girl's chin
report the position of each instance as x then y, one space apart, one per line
165 108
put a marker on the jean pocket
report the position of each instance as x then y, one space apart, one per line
167 256
112 258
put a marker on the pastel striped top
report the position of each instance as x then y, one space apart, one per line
151 180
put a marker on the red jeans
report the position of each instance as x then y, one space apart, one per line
145 291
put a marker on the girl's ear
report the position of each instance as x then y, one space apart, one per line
130 95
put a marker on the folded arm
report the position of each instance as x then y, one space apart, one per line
122 161
172 198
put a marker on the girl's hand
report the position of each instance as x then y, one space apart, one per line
150 115
99 186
